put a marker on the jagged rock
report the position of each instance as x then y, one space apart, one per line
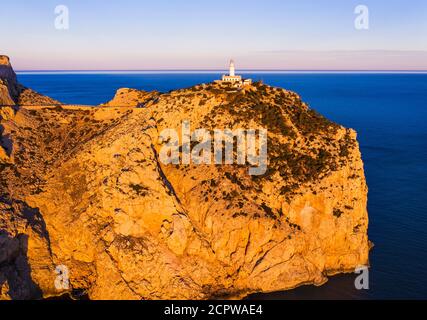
6 70
8 84
13 93
93 195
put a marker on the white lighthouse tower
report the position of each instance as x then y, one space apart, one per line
232 72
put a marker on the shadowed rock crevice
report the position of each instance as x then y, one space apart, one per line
16 282
24 240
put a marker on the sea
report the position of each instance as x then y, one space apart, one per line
389 112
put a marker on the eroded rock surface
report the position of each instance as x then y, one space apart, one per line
84 188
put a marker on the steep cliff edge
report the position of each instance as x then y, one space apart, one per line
13 93
85 188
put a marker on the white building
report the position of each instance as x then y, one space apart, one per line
233 78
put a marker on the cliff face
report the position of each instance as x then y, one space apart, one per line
6 70
13 93
85 188
8 90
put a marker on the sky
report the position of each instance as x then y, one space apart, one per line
200 35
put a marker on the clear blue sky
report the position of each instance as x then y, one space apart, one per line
262 34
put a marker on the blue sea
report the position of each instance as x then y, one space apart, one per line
389 112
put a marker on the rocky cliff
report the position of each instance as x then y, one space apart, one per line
84 188
13 93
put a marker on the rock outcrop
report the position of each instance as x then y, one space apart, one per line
13 93
126 97
8 90
84 188
6 70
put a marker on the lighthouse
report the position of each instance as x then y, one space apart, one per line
233 79
232 72
231 76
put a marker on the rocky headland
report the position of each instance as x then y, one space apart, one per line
83 187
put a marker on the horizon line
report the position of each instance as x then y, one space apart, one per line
224 70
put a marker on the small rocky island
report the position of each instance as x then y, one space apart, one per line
82 189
